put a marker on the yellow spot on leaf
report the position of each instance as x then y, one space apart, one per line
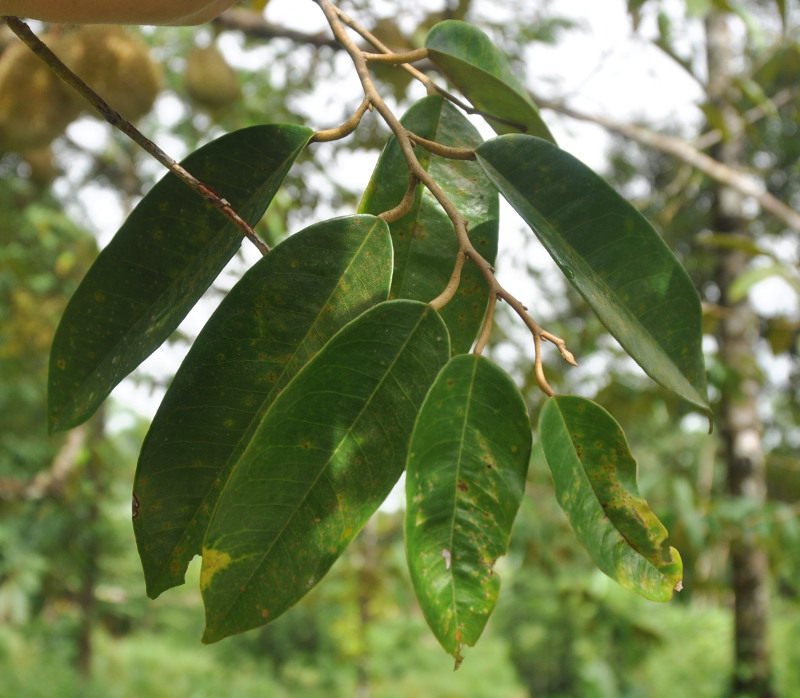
213 562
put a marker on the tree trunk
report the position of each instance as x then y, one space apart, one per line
738 420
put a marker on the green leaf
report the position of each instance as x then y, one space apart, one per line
162 259
611 254
325 456
272 322
470 60
465 480
595 481
781 5
424 239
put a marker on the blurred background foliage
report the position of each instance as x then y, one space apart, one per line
74 619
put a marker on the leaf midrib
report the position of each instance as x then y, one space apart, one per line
237 452
279 536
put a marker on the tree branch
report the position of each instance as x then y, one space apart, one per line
337 19
50 482
745 184
254 25
113 117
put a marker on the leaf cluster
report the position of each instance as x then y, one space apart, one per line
340 360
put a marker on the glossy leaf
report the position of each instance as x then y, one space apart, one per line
325 456
424 239
464 483
470 60
595 481
162 259
271 323
611 254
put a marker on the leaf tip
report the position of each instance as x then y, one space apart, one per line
210 637
458 657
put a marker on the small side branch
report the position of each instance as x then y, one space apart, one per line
444 150
406 141
486 330
539 334
33 42
452 285
386 55
419 54
252 24
405 204
334 134
685 152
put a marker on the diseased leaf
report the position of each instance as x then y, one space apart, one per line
162 259
595 481
465 480
470 60
324 457
611 254
271 323
424 239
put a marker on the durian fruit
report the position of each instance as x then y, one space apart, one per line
209 80
35 105
117 65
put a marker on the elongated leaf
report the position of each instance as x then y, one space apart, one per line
325 456
271 323
781 4
611 254
424 239
159 263
470 60
464 483
595 481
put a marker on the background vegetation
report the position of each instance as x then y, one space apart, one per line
75 619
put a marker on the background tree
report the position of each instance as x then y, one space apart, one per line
742 104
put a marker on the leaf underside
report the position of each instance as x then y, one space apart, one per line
162 259
470 60
424 239
324 457
277 317
465 480
594 475
610 254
